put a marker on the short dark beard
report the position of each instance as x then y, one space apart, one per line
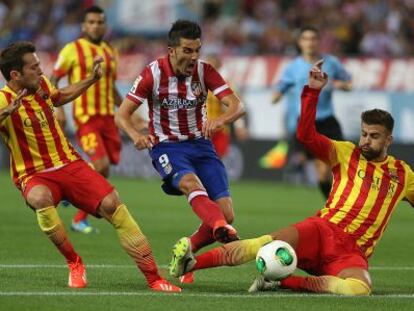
31 89
94 41
371 154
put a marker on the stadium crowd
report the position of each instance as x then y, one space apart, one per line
353 27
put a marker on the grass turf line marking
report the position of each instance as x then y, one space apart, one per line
207 295
41 266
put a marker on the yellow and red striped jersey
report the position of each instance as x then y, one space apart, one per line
76 61
33 136
365 193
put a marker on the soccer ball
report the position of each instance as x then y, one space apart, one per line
276 260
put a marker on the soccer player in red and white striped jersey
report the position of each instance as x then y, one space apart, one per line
334 245
175 88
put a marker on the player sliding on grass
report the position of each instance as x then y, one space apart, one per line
175 87
334 245
46 168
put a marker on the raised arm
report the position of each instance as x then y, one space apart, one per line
320 145
72 91
59 111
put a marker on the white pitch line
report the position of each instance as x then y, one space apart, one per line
41 266
112 266
390 268
207 295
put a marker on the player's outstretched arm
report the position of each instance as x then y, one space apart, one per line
124 120
73 91
234 111
13 106
320 145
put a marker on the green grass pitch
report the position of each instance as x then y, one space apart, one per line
33 275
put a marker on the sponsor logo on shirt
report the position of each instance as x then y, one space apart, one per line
182 103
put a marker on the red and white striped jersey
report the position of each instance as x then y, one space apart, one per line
176 104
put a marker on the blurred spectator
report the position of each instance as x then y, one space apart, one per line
48 23
376 42
69 30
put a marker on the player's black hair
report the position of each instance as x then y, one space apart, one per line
183 29
11 58
302 30
93 9
309 28
378 117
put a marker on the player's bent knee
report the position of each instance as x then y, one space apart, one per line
109 204
39 197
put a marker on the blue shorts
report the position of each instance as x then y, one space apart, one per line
173 160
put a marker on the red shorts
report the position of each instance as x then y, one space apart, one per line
76 182
99 138
221 142
325 249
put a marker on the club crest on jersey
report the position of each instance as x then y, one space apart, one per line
196 88
394 175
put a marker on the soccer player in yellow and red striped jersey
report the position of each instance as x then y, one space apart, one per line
333 246
46 168
93 112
